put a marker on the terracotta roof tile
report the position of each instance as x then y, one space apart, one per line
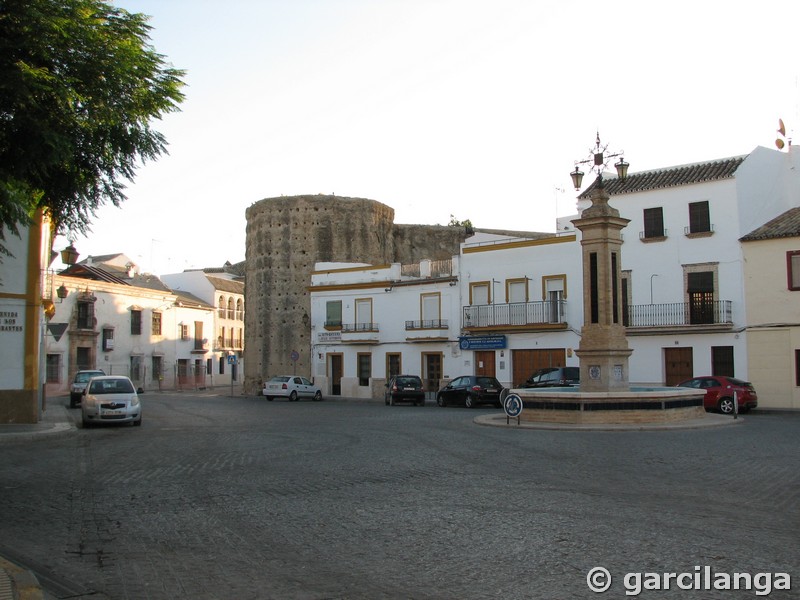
784 225
671 177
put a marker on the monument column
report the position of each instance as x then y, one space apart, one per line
603 349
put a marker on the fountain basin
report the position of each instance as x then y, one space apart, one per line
637 405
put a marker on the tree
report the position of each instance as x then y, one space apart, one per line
453 222
79 86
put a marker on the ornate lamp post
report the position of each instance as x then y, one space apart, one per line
603 349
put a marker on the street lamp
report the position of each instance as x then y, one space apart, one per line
599 159
69 255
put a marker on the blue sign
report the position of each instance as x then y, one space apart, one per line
231 359
482 342
512 406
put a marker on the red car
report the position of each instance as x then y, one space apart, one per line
719 393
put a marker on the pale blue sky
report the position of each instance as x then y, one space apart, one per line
476 108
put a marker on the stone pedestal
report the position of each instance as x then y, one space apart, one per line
603 349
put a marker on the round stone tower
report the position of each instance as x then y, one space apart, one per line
286 236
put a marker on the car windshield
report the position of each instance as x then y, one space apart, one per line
280 379
488 382
84 377
111 386
407 381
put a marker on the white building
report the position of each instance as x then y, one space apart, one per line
517 303
154 336
222 288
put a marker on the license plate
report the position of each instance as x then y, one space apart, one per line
491 390
408 389
113 412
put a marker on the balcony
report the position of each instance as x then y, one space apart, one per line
427 324
359 327
519 316
715 315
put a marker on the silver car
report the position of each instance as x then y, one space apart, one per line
292 387
79 384
111 399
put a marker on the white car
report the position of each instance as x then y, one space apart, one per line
111 399
292 387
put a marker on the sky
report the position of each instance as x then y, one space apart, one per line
472 108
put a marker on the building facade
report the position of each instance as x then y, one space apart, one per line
772 290
516 303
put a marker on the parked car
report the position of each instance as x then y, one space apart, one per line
111 399
292 387
404 388
470 390
719 393
78 385
553 377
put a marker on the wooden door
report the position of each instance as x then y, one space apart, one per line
678 365
335 363
525 362
484 363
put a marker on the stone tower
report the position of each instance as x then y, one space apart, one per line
286 236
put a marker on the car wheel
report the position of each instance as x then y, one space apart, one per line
269 398
72 402
293 396
441 401
87 423
318 396
725 406
469 402
138 423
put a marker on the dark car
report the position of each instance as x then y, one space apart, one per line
78 385
719 393
553 377
404 388
470 390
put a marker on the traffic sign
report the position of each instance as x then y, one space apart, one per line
512 406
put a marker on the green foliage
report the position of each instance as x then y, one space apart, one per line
453 222
79 85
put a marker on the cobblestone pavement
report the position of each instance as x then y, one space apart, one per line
236 497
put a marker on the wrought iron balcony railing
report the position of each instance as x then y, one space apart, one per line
427 324
515 314
675 314
357 327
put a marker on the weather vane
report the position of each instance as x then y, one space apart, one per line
599 159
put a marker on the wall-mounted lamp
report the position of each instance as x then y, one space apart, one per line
305 319
62 292
389 289
453 283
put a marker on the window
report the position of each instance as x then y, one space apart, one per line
797 368
701 297
108 339
364 368
333 313
393 364
136 367
53 368
198 335
184 331
85 315
699 219
479 293
221 307
136 322
516 290
156 324
430 306
722 360
363 313
554 292
222 360
654 223
793 270
239 310
157 368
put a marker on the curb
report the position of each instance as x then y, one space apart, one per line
17 583
709 421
